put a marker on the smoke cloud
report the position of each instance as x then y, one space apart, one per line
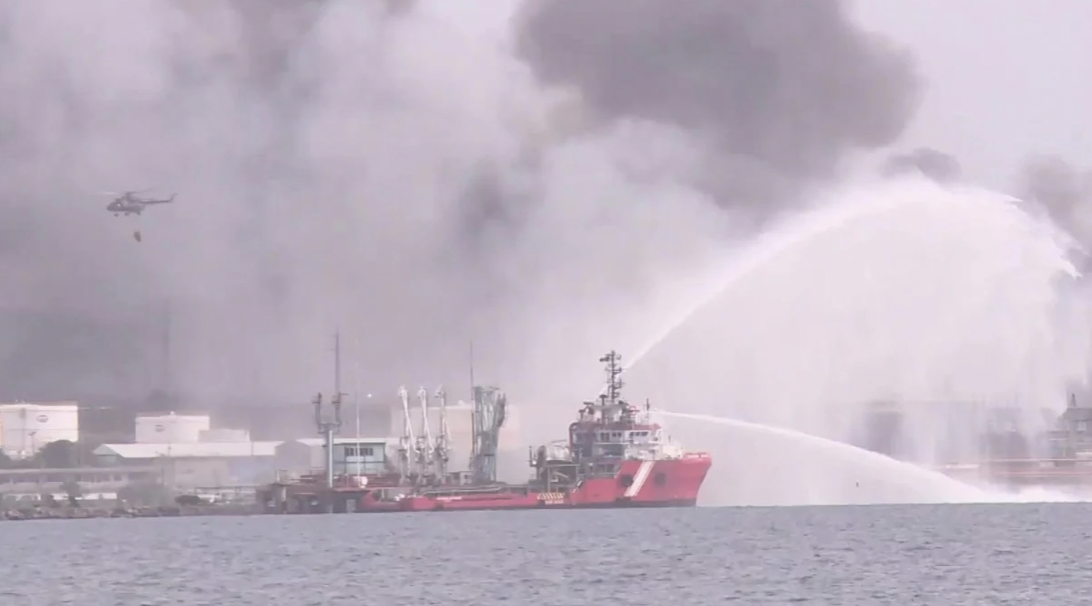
1063 190
782 92
364 166
930 163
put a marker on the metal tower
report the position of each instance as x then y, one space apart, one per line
490 407
442 445
407 444
424 437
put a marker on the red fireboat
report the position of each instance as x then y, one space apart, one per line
615 456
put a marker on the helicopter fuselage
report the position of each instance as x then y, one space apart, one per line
124 209
132 207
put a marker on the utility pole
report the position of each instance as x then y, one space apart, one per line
329 426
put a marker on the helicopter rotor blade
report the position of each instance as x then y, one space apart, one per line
123 193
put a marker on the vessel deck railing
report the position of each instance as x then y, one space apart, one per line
461 490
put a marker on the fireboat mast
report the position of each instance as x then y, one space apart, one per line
612 408
613 360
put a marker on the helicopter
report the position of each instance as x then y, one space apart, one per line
128 203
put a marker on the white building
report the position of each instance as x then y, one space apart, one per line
352 456
26 427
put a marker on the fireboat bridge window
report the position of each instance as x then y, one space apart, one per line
632 436
612 450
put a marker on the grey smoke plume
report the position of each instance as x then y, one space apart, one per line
311 182
1064 191
364 166
782 90
1057 184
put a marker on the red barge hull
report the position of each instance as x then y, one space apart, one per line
665 483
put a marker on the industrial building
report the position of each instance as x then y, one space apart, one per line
26 485
196 465
188 453
352 456
26 427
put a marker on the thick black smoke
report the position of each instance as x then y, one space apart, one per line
783 90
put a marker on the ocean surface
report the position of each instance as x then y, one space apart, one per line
907 555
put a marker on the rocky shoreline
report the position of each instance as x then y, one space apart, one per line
81 513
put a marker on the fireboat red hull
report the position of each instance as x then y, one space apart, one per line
662 483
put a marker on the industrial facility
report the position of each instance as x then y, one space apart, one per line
408 434
187 453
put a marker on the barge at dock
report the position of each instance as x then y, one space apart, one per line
615 456
996 449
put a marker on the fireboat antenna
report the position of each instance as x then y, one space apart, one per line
471 360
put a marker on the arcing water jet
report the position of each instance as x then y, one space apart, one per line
864 465
873 476
907 292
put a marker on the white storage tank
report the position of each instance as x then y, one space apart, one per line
171 429
225 435
26 427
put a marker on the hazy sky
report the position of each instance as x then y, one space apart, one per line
1005 78
471 198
